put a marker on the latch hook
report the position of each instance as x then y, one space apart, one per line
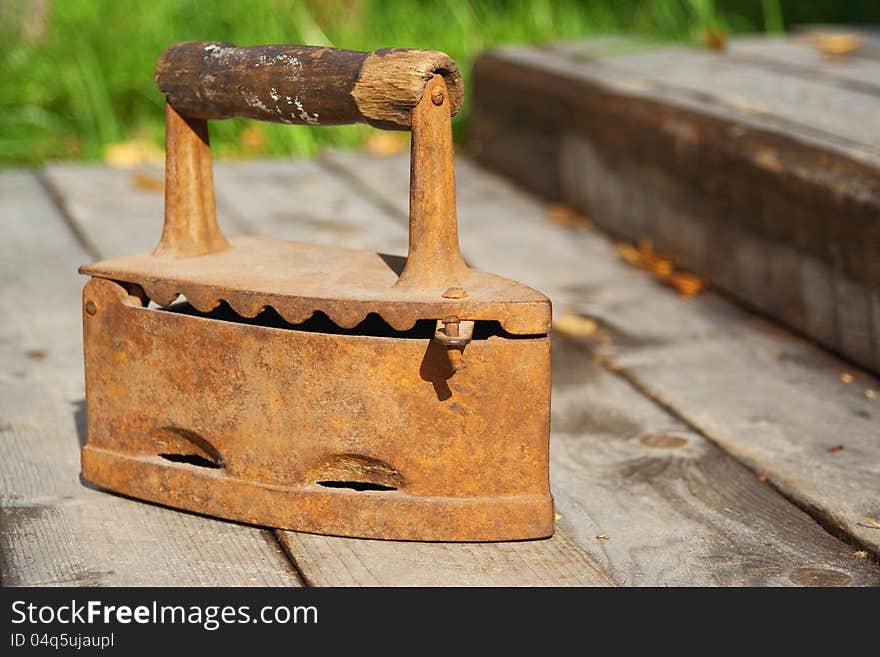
455 335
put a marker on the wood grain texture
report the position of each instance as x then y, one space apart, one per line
799 57
331 561
301 84
658 504
392 81
322 210
751 89
673 515
53 529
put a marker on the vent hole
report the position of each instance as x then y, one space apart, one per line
373 324
355 485
191 459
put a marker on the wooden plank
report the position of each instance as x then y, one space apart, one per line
798 57
555 76
53 529
332 561
301 201
675 508
743 199
747 89
784 54
298 200
691 514
857 333
783 411
118 211
870 47
765 173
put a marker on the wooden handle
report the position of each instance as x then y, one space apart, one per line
302 84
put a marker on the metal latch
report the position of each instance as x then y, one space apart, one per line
455 335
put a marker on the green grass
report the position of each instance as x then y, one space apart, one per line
86 80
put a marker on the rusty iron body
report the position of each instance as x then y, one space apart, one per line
321 389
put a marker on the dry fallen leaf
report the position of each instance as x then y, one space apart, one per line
872 522
147 181
557 517
644 257
686 284
836 448
860 554
762 478
715 39
131 153
871 394
572 324
837 44
603 537
561 214
386 143
252 141
629 253
846 377
660 266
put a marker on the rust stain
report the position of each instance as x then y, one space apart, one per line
321 389
564 215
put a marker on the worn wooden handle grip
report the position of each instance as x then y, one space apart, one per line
302 84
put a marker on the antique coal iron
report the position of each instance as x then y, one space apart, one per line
315 388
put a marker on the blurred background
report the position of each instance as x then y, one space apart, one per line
76 75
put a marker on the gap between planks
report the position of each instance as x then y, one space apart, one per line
822 518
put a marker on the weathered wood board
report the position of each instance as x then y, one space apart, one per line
333 561
298 200
53 529
870 36
799 57
761 178
748 88
665 506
